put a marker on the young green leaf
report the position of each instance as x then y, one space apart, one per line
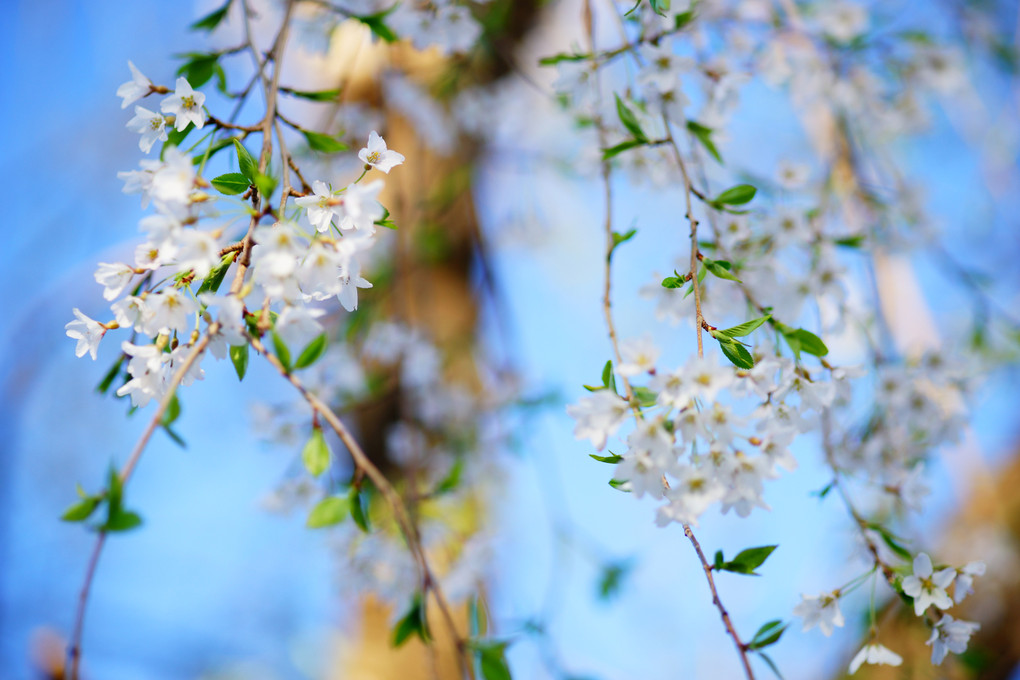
231 183
315 455
672 282
282 351
311 353
266 184
359 508
239 357
82 510
630 121
492 660
621 147
745 328
619 485
609 377
214 279
199 68
378 25
124 520
645 396
211 20
748 560
736 353
318 96
768 634
612 458
110 376
413 622
324 143
172 413
720 269
249 166
738 195
452 479
619 238
810 343
328 512
612 578
704 135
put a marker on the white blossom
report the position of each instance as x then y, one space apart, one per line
874 653
186 105
376 155
134 89
87 332
927 586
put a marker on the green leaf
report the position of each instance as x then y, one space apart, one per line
704 135
621 147
282 351
452 479
683 19
612 578
174 437
738 195
660 7
199 68
323 142
110 376
125 520
412 623
719 561
810 343
378 26
315 455
850 241
359 508
492 660
82 510
218 145
768 634
629 120
328 512
673 282
319 96
246 162
211 20
612 458
114 492
618 485
748 560
265 184
172 413
174 138
557 58
214 279
239 357
771 664
231 183
311 353
720 269
619 238
745 328
736 353
645 396
608 377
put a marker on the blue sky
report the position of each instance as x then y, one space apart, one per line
212 581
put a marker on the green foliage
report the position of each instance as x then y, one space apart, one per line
312 351
199 67
611 579
231 183
413 622
246 162
282 351
743 329
315 454
630 121
214 279
491 657
323 142
328 512
738 195
377 23
767 635
239 357
704 135
720 269
611 458
318 96
736 353
452 479
359 503
211 20
746 561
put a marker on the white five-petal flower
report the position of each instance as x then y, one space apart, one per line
378 156
820 610
927 586
186 105
87 332
151 125
875 653
134 89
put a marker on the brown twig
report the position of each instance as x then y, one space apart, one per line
363 463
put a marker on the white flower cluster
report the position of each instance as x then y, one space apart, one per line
173 284
702 448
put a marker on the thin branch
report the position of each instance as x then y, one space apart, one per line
74 649
364 463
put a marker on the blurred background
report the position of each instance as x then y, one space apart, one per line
216 586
